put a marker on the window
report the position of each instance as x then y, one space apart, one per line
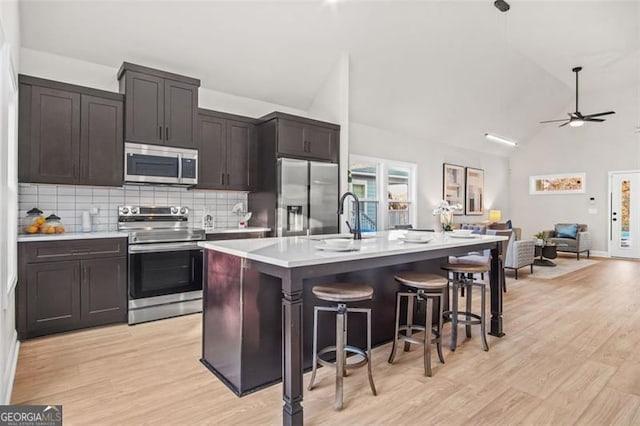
398 197
386 190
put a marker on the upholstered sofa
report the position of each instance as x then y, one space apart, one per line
581 243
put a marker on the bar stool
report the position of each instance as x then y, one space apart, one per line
423 287
463 279
342 293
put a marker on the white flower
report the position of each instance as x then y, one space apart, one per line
444 207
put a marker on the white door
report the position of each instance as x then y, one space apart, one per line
624 217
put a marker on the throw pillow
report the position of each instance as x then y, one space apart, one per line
568 230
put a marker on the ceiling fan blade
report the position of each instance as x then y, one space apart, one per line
600 114
599 120
562 125
554 121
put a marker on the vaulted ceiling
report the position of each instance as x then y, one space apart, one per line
445 71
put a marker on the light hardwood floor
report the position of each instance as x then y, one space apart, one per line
571 356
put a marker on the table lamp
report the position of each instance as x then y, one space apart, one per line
494 216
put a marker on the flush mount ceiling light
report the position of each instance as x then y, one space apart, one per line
500 139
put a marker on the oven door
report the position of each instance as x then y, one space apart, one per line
164 269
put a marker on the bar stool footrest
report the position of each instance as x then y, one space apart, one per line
463 318
348 349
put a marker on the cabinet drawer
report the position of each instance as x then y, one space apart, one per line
47 251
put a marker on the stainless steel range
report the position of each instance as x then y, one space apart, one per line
165 262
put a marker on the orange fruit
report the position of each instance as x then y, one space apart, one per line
32 229
40 220
59 229
51 230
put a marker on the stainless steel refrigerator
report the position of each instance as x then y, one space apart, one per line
308 196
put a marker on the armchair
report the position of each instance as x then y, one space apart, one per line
519 253
580 244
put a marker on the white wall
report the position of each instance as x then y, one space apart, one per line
9 35
429 156
331 104
69 70
595 148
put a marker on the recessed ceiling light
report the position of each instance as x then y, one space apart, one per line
500 139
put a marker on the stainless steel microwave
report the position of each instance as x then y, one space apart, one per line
160 164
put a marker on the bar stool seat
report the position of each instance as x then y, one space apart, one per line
423 287
421 280
342 293
466 268
463 279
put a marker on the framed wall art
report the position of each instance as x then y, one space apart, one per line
563 183
453 185
474 193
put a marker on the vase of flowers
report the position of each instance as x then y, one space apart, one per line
446 211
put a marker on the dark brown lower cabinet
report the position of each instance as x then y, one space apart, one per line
53 296
103 290
83 290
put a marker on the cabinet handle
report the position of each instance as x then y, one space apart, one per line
222 178
166 133
160 132
227 178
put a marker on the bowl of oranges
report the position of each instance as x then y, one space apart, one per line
35 223
52 225
32 221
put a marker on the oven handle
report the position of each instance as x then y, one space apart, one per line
155 248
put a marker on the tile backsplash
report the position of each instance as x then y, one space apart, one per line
69 201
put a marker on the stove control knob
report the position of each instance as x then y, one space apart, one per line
124 210
135 210
183 210
174 210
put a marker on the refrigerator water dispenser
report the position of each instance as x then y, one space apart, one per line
294 219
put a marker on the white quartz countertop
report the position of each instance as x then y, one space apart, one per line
238 230
291 252
25 238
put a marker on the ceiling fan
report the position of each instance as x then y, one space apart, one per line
576 119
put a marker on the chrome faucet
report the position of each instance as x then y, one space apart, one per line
357 234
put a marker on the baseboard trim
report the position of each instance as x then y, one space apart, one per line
597 253
10 372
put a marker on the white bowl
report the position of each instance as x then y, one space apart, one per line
465 232
410 238
338 243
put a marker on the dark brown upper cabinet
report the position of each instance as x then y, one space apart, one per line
226 151
55 135
69 134
161 108
298 137
101 141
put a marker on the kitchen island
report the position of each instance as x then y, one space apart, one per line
255 290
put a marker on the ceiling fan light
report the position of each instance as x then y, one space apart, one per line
500 139
576 123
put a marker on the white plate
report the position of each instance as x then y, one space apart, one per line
418 241
336 248
465 236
